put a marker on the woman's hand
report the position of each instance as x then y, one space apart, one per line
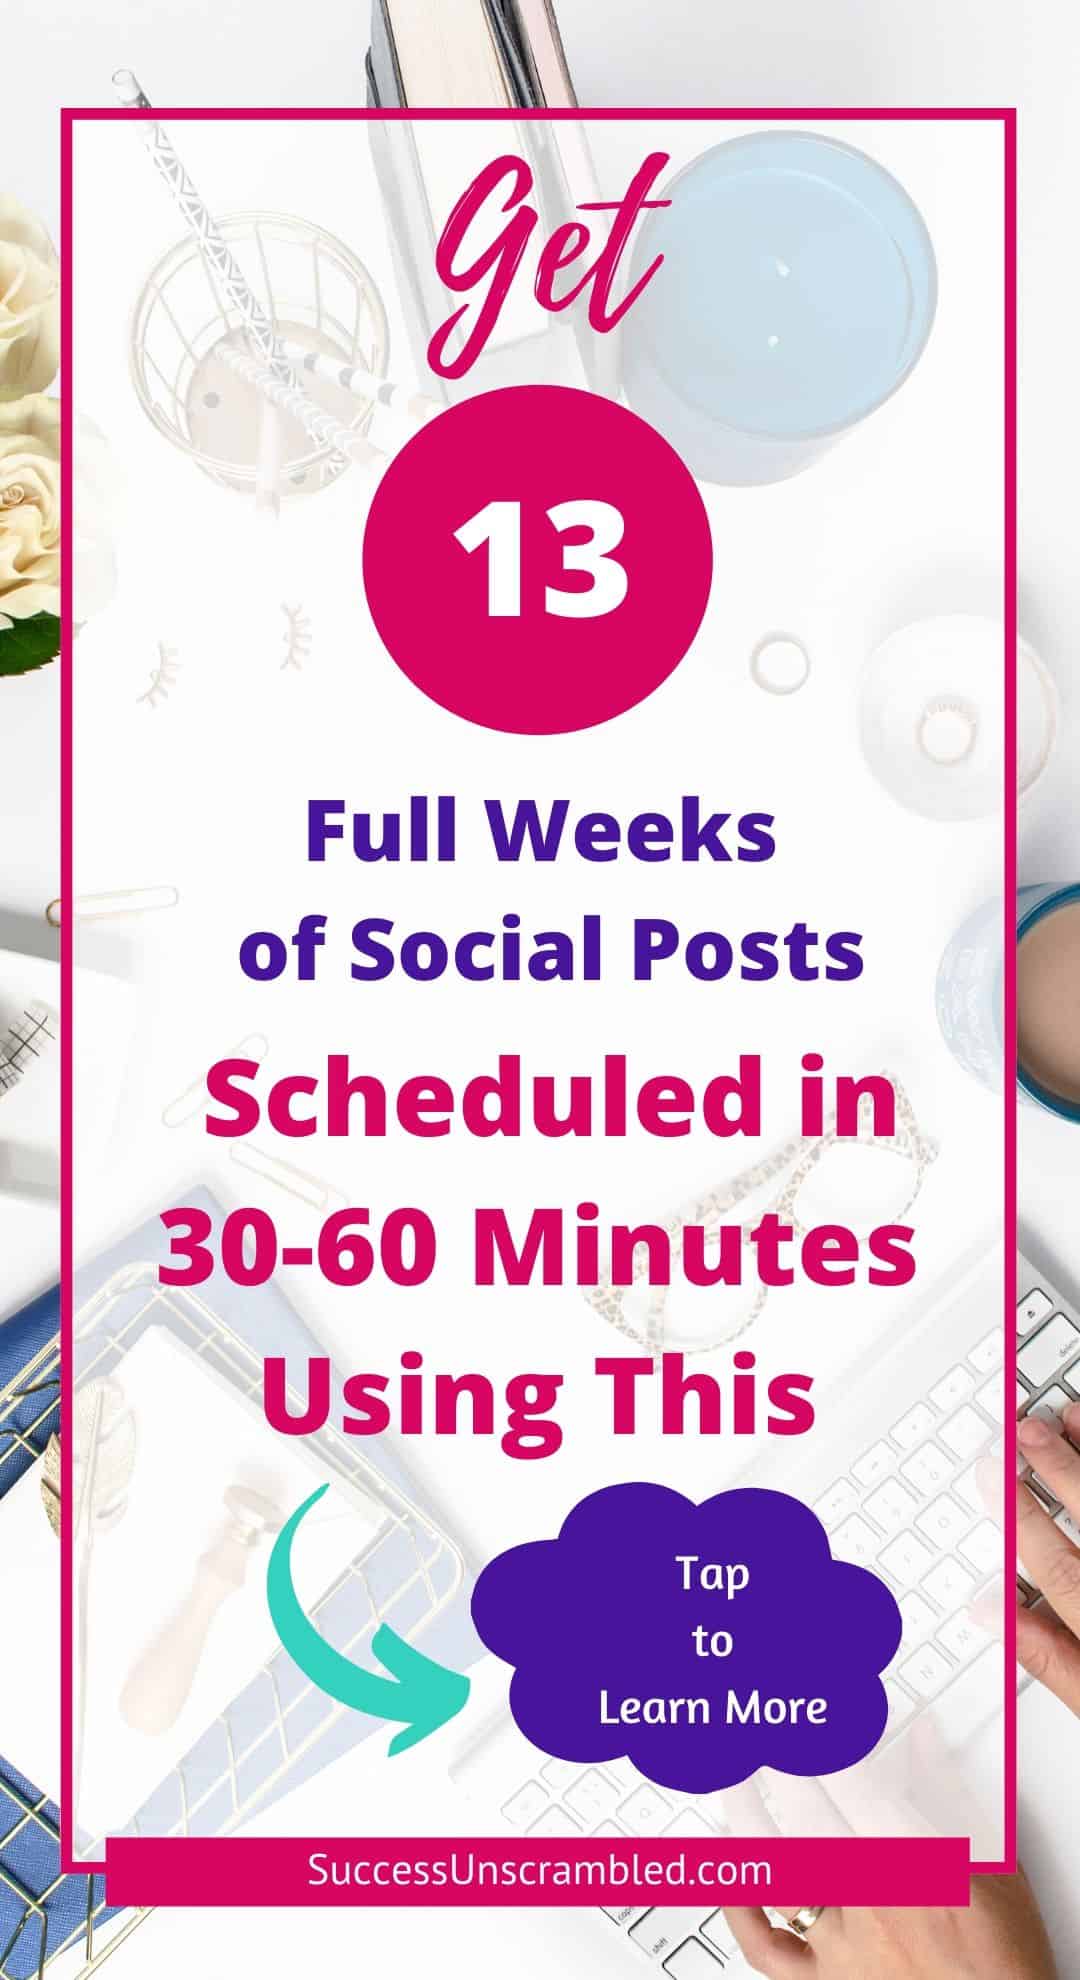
1048 1645
999 1937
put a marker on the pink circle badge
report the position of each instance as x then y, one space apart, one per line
537 559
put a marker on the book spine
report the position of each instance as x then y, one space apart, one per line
383 72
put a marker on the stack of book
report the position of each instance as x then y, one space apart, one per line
464 55
467 55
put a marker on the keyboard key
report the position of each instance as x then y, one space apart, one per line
713 1808
1051 1404
719 1933
901 1705
991 1398
645 1811
690 1827
965 1433
906 1559
855 1542
1031 1312
875 1464
986 1356
943 1522
949 1585
992 1603
621 1913
622 1771
967 1488
926 1671
524 1806
913 1427
592 1798
661 1930
928 1470
559 1773
953 1388
609 1832
974 1698
961 1637
983 1547
693 1961
891 1507
1048 1351
835 1504
918 1620
555 1822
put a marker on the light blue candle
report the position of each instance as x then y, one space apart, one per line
797 293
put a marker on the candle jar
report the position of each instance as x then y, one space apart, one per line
931 712
797 293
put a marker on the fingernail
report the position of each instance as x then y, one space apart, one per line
1034 1434
1071 1414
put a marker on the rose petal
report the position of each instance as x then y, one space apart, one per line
29 303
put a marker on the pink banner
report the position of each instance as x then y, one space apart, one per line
478 1871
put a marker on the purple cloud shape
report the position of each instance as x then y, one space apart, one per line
602 1616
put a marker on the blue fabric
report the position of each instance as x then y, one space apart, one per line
21 1338
29 1825
30 1859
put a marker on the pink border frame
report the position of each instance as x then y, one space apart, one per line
171 1860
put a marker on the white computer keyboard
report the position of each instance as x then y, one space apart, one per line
1048 1368
556 1798
892 1474
903 1496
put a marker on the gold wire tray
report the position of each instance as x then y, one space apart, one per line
33 1396
98 1932
408 1574
29 1413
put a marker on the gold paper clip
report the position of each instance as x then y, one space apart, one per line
187 1103
310 1189
101 907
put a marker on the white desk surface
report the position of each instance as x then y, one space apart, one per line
745 53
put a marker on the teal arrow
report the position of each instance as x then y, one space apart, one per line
421 1694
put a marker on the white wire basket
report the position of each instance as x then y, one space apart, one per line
319 297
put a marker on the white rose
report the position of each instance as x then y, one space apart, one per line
29 303
29 507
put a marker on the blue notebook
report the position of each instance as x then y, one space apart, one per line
40 1911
